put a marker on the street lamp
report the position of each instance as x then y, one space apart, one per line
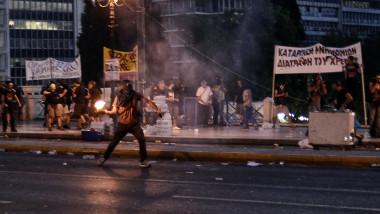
112 25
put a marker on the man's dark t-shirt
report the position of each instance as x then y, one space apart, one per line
9 97
52 98
80 93
281 100
352 69
95 94
239 95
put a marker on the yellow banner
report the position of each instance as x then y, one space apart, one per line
128 60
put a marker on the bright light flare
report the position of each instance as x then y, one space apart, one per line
100 104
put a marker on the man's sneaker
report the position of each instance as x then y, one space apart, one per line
101 161
50 129
176 128
61 128
145 164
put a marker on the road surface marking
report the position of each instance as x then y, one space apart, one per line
277 203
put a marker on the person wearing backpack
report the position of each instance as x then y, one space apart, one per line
128 122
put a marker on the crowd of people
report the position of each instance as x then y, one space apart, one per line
58 99
63 103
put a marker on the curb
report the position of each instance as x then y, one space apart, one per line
171 139
310 160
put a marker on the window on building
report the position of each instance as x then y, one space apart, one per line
2 39
43 6
32 5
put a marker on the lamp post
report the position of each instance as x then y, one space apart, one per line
112 26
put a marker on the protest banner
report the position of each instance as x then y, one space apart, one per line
38 70
112 72
66 70
52 69
128 63
315 59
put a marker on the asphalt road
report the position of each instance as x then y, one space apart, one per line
33 183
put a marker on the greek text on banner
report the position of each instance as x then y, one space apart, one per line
314 59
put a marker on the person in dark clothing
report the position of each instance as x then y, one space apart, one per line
44 103
20 95
54 104
79 99
128 122
216 104
95 95
352 72
373 104
343 101
172 102
3 88
371 98
182 93
66 101
9 101
281 96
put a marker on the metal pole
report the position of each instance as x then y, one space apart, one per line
112 28
363 92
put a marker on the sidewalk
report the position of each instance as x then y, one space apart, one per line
223 144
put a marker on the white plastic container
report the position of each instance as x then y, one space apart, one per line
164 125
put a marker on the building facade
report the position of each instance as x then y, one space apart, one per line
39 29
319 17
4 41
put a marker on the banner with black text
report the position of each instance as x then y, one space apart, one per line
314 59
52 69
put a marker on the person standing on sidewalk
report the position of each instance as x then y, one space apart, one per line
317 89
128 122
281 96
352 74
54 105
79 99
66 101
172 102
95 95
239 98
204 94
216 91
9 101
248 111
345 101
